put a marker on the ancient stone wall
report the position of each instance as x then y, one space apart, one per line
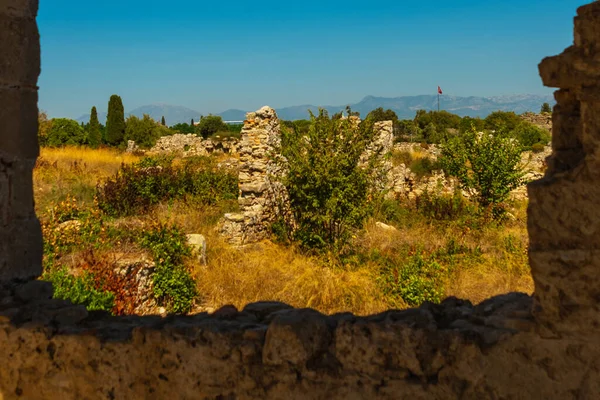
564 212
193 145
510 347
20 232
261 197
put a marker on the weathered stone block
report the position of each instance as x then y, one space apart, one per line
567 290
563 212
586 28
18 124
21 250
20 49
19 8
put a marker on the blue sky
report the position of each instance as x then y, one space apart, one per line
211 56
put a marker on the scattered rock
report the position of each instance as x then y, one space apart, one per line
69 225
385 227
198 244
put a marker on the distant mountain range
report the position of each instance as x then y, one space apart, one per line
404 106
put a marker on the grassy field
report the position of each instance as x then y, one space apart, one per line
467 256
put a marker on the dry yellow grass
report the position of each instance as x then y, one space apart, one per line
73 171
103 159
269 271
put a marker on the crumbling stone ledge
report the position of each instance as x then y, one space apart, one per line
55 350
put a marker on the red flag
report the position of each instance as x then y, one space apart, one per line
439 90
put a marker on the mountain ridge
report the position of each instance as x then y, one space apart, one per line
404 106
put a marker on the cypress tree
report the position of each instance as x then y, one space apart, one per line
192 123
162 121
115 121
94 133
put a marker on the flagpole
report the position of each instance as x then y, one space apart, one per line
438 100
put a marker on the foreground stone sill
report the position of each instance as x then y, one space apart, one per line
30 306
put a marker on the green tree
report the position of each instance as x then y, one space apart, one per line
94 131
210 125
529 134
183 128
328 185
379 114
502 121
486 165
144 132
546 108
115 121
467 124
436 125
162 121
65 131
407 130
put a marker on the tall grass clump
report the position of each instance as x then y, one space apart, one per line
134 189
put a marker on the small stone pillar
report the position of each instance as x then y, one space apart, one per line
261 195
20 233
564 206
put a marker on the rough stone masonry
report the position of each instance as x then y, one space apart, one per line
20 233
508 347
262 197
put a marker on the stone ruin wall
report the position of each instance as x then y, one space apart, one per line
188 145
261 197
20 233
509 347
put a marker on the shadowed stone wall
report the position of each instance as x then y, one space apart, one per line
564 207
509 347
20 233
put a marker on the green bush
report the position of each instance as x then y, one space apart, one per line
86 229
173 286
538 148
391 211
183 128
210 125
486 165
327 184
415 282
79 290
424 166
444 207
530 135
434 125
502 121
136 188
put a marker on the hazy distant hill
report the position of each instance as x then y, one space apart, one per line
233 115
404 106
407 106
172 114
